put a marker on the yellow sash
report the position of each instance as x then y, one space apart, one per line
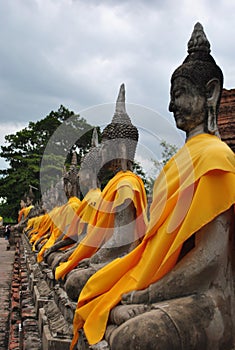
21 214
85 213
61 221
27 210
46 224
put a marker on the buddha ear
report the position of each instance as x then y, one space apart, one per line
213 89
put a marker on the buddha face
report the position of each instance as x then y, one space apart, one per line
22 204
87 179
108 152
28 201
113 153
70 181
187 104
68 188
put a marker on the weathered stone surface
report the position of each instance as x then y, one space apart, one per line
226 118
6 268
51 343
56 322
173 316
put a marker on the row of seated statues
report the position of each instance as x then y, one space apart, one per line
162 279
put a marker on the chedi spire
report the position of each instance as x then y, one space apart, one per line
198 40
121 125
94 138
120 114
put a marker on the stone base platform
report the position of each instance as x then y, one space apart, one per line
46 321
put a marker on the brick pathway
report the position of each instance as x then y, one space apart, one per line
7 258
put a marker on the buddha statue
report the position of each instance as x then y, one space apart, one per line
175 290
66 212
27 210
23 204
89 187
90 165
88 184
118 146
70 177
40 227
121 214
30 208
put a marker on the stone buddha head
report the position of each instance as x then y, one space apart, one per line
196 88
70 178
30 197
90 166
119 138
23 202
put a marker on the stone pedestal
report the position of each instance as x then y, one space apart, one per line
51 343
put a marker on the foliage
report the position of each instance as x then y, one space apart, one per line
25 150
168 150
138 169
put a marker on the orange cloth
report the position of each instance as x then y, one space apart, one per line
195 186
24 212
45 228
21 215
45 224
33 230
33 224
61 222
27 210
123 186
85 213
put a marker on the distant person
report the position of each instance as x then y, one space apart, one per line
7 232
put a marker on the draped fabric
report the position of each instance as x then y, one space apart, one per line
194 187
46 225
33 224
85 213
61 221
21 215
25 211
122 187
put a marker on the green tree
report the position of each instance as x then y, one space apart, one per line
138 169
26 149
168 150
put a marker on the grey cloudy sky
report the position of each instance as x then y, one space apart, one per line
77 53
